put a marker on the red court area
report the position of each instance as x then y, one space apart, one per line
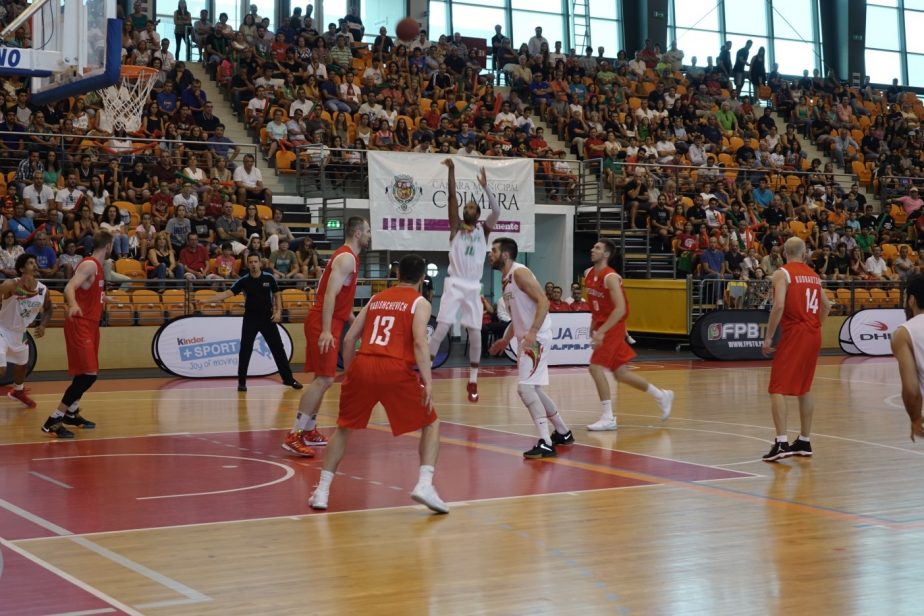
58 488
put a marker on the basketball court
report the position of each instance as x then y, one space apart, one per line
183 502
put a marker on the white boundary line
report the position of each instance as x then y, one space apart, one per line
60 484
289 471
70 578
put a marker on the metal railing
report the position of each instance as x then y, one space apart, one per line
153 302
846 296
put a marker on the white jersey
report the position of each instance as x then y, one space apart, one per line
915 327
522 307
466 253
19 310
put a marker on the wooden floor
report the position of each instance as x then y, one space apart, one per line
182 502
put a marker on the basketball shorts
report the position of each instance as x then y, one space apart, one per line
793 367
372 380
460 295
321 364
81 337
13 348
533 363
615 351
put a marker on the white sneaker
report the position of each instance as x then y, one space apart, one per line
426 495
666 401
603 425
318 499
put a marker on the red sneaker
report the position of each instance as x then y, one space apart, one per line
313 438
294 444
472 389
22 396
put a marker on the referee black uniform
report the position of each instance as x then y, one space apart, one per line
259 292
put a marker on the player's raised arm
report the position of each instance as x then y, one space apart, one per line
452 201
493 209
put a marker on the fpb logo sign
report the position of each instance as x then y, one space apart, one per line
730 334
736 331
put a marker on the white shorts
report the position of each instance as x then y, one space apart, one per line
533 364
461 295
13 349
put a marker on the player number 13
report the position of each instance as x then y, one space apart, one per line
381 330
811 300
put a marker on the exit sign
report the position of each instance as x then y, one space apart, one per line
657 14
857 37
333 224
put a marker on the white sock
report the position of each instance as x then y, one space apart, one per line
324 481
56 414
607 409
473 375
551 412
782 439
426 475
654 392
542 426
19 386
73 408
807 439
303 420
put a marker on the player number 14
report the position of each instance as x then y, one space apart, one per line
811 300
381 330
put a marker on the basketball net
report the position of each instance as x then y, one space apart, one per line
124 104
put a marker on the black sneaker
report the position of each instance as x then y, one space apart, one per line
541 450
779 451
801 448
78 420
55 427
241 387
293 384
562 439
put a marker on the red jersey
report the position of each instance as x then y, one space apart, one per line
598 296
90 299
343 305
388 330
803 297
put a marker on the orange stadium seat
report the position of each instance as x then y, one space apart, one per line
148 307
235 305
58 310
296 304
131 268
121 311
209 309
174 302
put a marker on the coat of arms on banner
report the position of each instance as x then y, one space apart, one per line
403 193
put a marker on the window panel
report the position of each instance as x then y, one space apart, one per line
883 66
525 24
881 28
605 9
739 40
544 6
439 20
745 16
699 43
794 57
883 2
909 4
475 21
915 68
792 19
605 33
914 28
701 15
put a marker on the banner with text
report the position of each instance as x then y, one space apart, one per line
570 340
408 196
869 332
730 335
202 347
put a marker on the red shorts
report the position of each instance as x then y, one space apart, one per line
794 361
615 351
371 380
326 364
81 337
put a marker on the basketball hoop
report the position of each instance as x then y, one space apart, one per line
124 104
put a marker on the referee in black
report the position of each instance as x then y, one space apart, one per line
262 310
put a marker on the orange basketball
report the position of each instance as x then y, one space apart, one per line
407 29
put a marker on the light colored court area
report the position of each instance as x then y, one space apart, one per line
183 502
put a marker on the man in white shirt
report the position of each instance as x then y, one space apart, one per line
257 108
186 197
166 58
301 103
69 196
556 55
644 111
37 197
877 267
249 182
421 42
535 43
350 93
505 118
